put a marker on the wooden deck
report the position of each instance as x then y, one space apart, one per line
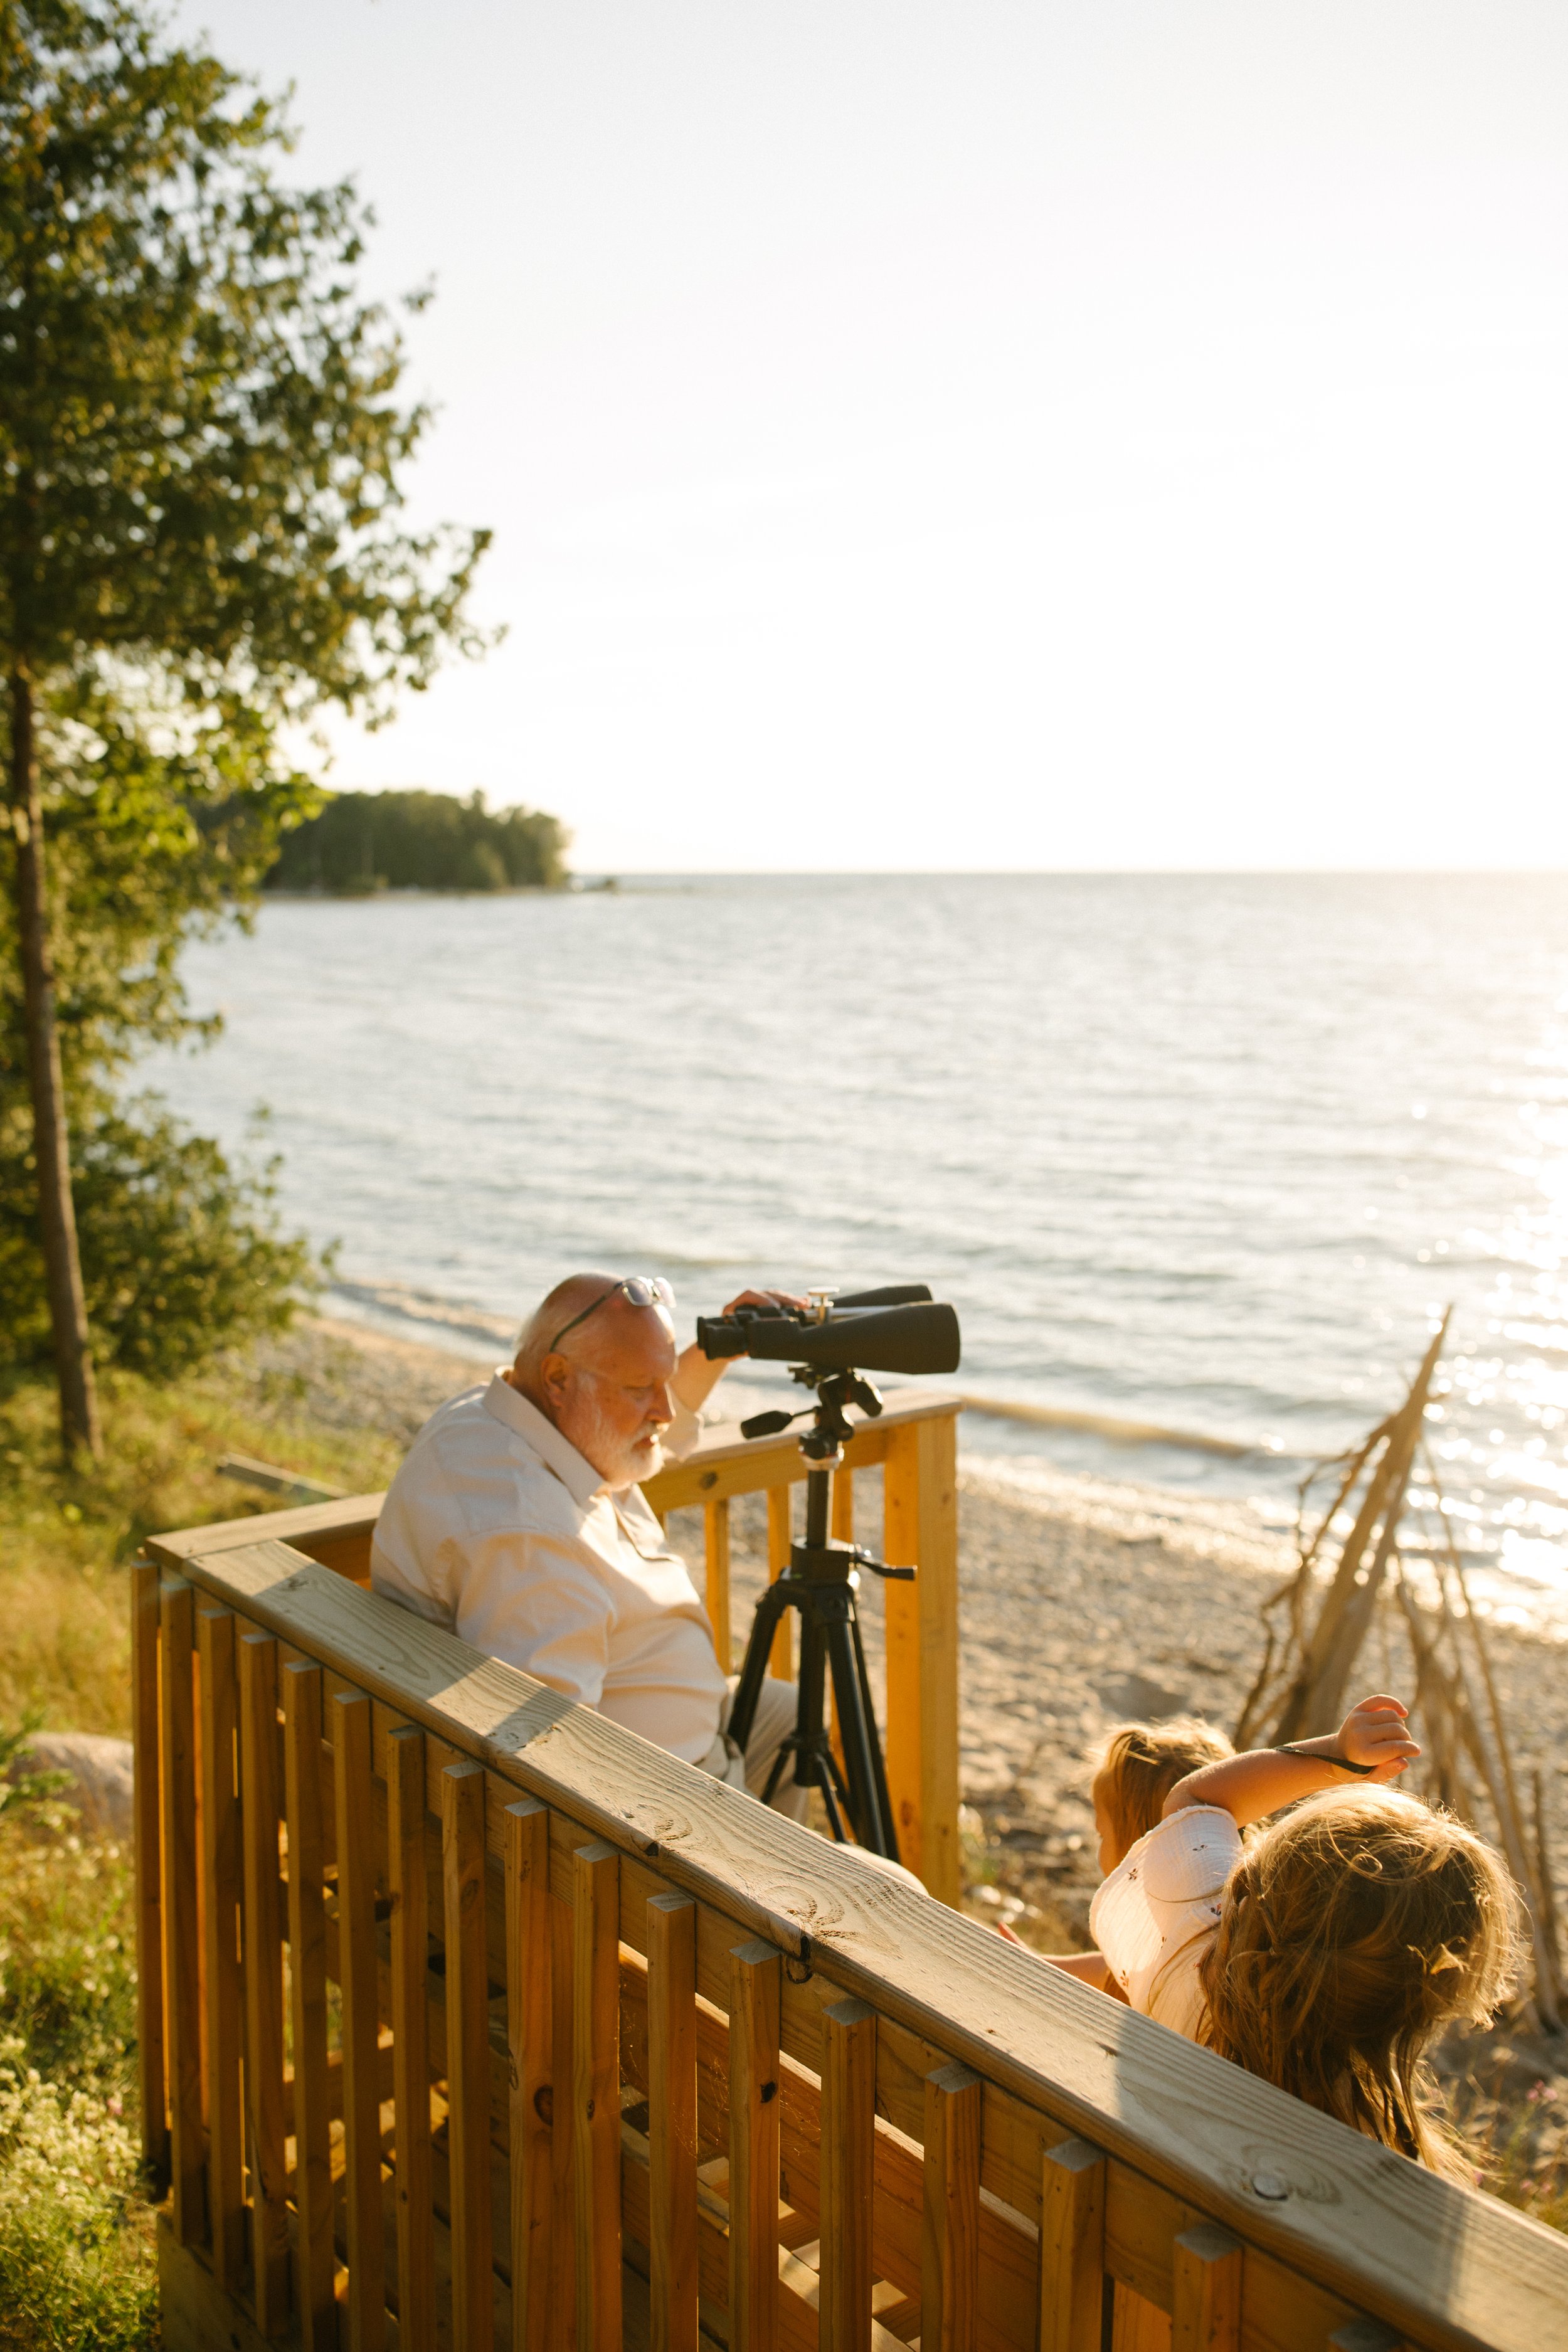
470 2020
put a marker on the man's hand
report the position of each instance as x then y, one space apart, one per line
1375 1732
695 1376
766 1298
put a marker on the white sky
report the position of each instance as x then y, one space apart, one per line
1093 432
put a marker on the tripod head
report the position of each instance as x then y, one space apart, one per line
830 1430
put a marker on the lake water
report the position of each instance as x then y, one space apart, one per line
1208 1151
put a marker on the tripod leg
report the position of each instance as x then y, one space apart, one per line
878 1767
859 1734
754 1665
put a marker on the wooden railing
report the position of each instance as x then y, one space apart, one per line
915 1444
472 2020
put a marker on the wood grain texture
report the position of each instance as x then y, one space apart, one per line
354 1805
148 1849
716 1558
781 1531
596 2094
1072 2247
671 1993
950 2269
314 2304
408 1930
181 1930
920 1530
261 1804
1446 2266
528 1975
756 1970
468 2054
848 2127
221 1877
1206 2313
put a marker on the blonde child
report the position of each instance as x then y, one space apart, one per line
1136 1769
1326 1953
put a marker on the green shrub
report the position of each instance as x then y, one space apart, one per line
180 1252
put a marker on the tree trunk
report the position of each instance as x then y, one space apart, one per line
51 1136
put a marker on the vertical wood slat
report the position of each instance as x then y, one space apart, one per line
596 2094
950 2236
468 2054
409 1929
1072 2247
314 2304
147 1739
353 1799
781 1531
673 2120
920 1509
260 1805
182 1948
221 1876
716 1554
529 1970
1205 2310
848 2160
756 1982
562 2158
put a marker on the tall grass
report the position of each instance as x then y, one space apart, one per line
77 2249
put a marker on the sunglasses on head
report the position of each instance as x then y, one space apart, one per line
638 1290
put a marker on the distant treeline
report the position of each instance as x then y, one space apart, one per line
363 842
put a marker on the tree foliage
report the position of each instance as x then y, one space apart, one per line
159 828
201 543
420 841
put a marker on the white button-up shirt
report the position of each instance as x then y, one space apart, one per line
497 1528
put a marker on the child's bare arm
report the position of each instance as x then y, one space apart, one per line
1090 1968
1373 1737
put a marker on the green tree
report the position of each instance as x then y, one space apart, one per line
157 825
421 840
201 442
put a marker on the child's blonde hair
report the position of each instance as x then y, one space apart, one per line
1138 1764
1352 1931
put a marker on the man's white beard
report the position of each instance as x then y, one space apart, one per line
619 1461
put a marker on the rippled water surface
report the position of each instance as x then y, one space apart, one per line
1204 1152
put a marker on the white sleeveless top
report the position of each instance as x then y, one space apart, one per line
1155 1916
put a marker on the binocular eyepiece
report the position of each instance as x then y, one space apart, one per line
897 1329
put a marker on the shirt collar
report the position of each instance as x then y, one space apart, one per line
512 1410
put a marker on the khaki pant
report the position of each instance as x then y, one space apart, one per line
770 1726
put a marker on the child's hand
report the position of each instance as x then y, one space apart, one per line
1375 1732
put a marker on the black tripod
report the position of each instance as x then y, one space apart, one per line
821 1582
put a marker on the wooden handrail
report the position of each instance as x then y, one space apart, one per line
1106 2146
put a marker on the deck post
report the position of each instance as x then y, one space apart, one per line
673 2121
950 2238
409 1886
756 1984
220 1932
468 2054
182 1948
314 2301
353 1799
148 1874
260 1807
849 2168
596 2094
920 1519
528 2034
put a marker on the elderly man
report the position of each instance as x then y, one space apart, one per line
517 1519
